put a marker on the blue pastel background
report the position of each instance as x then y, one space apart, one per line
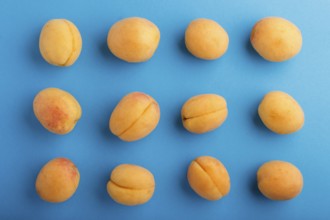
98 80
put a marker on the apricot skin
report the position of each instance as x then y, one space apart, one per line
279 180
276 39
204 113
57 110
133 39
60 42
209 178
206 39
57 181
131 185
135 117
281 113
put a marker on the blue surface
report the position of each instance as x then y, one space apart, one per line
98 80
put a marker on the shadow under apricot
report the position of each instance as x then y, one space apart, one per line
101 188
253 186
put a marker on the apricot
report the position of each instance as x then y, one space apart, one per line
279 180
135 117
281 113
206 39
58 180
133 39
131 185
276 39
209 178
204 113
60 42
57 110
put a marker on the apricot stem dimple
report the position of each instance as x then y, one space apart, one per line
209 178
201 115
134 122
